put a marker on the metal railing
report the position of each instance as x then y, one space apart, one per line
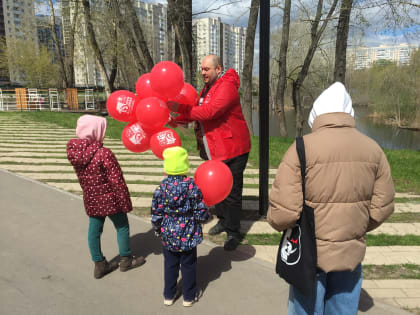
29 99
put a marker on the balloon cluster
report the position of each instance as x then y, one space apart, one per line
147 113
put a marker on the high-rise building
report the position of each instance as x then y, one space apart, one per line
45 35
153 18
19 18
86 72
212 36
19 23
233 47
364 57
208 35
4 70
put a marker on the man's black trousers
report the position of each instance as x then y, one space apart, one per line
229 210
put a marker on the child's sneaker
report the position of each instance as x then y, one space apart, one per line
168 302
197 297
188 303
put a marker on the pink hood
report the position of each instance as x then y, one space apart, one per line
91 128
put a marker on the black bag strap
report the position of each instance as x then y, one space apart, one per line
300 148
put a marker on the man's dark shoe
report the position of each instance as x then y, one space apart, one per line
232 242
217 229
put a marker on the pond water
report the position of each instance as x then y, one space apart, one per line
386 136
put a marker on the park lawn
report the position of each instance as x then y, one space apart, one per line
404 271
405 164
371 240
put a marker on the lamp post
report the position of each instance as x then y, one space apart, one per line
264 103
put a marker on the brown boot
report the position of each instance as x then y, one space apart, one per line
103 267
130 262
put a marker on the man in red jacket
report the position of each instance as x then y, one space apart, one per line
222 134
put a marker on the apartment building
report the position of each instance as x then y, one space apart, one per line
364 57
4 72
212 36
86 71
18 22
233 47
45 35
153 18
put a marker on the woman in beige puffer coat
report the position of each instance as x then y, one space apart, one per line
349 185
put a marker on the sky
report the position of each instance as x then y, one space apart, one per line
374 32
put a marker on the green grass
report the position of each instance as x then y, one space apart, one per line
46 172
65 181
407 217
20 163
262 239
393 240
141 194
406 200
141 212
277 147
403 271
405 164
405 168
371 240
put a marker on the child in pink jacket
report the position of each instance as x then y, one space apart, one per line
105 193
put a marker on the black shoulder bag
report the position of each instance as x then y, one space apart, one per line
297 256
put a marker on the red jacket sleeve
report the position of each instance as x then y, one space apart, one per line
222 99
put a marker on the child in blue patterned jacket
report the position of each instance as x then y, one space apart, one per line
177 213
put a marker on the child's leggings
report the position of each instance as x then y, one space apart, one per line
96 225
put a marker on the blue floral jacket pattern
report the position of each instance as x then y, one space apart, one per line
177 213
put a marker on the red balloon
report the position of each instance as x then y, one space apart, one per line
152 113
121 105
162 140
144 88
188 95
167 79
135 138
215 181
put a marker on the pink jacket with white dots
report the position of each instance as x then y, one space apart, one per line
100 176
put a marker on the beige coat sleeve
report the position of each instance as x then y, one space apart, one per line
382 203
286 198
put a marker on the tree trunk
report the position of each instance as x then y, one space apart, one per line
281 83
114 59
341 41
315 37
170 48
249 63
96 51
69 44
138 35
180 15
130 43
57 46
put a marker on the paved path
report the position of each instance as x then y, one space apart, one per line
45 265
26 147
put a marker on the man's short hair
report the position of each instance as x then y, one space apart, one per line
216 61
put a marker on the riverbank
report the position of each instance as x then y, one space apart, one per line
385 118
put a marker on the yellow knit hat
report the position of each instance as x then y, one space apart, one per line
175 161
